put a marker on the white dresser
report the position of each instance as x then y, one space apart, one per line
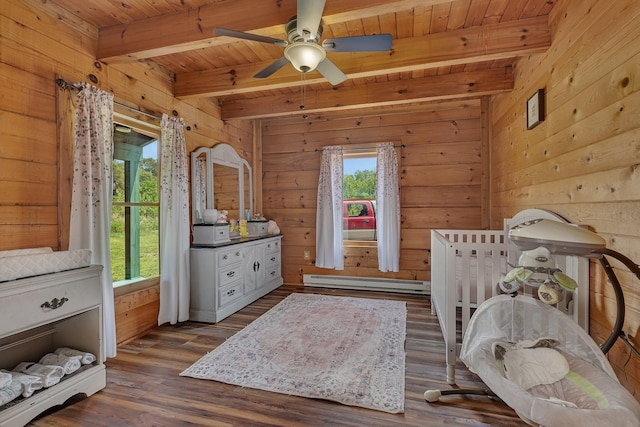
226 278
38 315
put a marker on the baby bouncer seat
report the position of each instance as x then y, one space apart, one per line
586 394
534 357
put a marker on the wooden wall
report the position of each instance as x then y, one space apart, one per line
37 45
583 160
440 178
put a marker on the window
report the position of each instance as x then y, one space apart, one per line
135 239
359 194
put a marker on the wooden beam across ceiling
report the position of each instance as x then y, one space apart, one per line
448 86
193 29
469 45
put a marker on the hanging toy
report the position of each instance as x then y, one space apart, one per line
550 292
536 268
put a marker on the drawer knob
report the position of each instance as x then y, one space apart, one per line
238 253
231 274
53 304
273 258
231 292
225 256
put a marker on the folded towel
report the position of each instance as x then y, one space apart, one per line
5 379
10 392
70 364
30 383
50 374
85 359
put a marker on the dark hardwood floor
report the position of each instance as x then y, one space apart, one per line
144 388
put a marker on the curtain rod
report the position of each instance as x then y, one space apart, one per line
363 148
65 85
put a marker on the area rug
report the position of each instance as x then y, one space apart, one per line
343 349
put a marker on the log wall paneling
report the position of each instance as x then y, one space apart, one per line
136 310
582 161
37 47
440 180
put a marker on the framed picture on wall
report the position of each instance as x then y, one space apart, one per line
535 109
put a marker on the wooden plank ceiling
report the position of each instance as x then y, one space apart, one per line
441 49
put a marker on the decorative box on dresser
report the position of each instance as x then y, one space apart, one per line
227 277
42 313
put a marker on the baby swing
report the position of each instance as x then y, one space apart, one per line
534 357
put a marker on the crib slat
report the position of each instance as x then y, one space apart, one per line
465 263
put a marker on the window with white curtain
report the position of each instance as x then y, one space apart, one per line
379 205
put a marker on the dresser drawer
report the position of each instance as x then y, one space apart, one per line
229 274
272 247
272 258
272 272
39 305
230 293
229 256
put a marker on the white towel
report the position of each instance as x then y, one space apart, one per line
70 364
50 374
5 379
86 357
10 392
30 383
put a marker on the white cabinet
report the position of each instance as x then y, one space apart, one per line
225 278
253 267
42 313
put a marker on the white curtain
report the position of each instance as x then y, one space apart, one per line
329 252
92 191
174 223
388 208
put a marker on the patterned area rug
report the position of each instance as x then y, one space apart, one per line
343 349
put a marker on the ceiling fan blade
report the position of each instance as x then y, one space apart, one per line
376 43
248 36
272 68
331 72
309 17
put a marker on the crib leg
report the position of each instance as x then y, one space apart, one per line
451 374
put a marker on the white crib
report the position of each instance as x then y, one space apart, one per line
466 267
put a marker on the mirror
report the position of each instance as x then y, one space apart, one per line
220 179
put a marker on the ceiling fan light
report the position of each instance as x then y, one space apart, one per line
304 56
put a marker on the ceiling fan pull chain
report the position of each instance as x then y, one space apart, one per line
303 91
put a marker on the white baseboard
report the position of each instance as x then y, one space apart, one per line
367 283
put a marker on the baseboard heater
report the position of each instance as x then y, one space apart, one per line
367 283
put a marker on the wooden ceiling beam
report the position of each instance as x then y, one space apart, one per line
469 45
448 86
193 29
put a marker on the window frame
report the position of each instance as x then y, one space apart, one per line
355 151
150 127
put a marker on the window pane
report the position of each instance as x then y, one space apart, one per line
117 243
149 242
135 248
135 213
148 173
359 194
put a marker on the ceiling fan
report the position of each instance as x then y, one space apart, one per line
303 50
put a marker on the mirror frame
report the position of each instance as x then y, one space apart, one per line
224 155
